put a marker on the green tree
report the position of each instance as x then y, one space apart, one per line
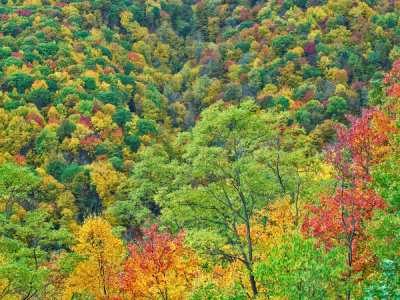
47 49
40 97
283 43
386 284
85 107
145 127
26 246
336 108
56 167
12 60
109 98
89 82
19 80
121 116
65 129
153 171
133 141
298 268
46 142
218 186
10 28
16 184
310 114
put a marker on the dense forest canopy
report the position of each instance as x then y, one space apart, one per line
217 149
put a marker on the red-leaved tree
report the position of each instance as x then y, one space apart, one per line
341 215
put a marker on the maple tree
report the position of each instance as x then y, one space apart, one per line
341 216
367 139
159 266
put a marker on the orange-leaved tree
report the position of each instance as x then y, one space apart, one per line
159 266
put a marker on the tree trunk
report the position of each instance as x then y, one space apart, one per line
350 258
253 284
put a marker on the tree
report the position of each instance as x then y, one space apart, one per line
218 187
283 43
16 185
336 108
286 159
158 266
297 268
26 245
133 141
151 172
385 238
386 286
110 98
385 175
48 50
102 256
367 140
40 97
145 127
89 82
12 60
65 129
85 107
46 142
310 114
342 215
122 116
19 80
341 218
232 93
109 183
55 167
10 28
383 228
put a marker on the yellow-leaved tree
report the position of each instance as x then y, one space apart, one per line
103 254
109 183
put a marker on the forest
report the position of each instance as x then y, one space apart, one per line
212 149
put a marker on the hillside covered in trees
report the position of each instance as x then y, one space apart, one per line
213 149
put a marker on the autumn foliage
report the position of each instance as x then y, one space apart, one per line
102 255
159 266
366 141
342 216
179 149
